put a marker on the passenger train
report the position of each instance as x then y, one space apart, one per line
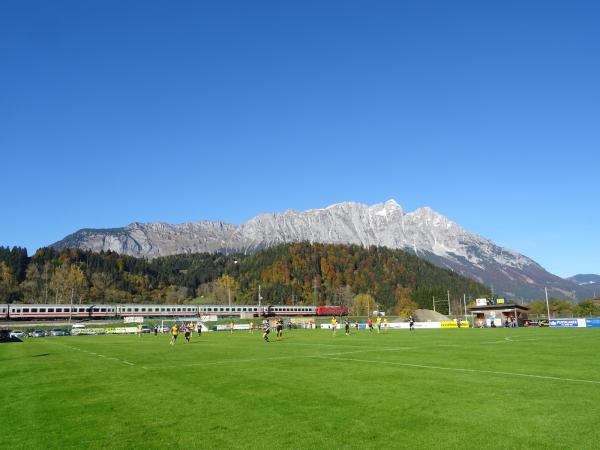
117 311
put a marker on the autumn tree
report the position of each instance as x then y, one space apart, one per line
405 307
8 283
363 304
68 283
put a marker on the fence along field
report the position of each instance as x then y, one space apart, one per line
474 388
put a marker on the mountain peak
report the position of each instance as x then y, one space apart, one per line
424 232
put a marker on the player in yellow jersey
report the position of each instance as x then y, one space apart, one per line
385 324
334 325
174 334
378 321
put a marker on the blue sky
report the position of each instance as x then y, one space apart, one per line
488 112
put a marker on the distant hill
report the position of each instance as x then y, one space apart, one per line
584 279
300 273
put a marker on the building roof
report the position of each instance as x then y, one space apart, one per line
498 307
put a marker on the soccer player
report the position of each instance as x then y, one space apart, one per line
370 325
231 327
347 326
266 331
139 330
174 334
251 330
280 329
378 320
334 325
385 324
188 333
411 323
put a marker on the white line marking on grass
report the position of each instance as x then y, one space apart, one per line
94 354
275 358
518 340
458 369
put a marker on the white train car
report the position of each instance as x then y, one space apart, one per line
58 311
3 312
129 310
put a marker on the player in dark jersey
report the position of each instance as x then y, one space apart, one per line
266 331
347 326
280 329
411 323
188 333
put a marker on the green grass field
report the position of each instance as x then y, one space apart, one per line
491 388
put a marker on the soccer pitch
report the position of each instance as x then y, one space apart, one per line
474 388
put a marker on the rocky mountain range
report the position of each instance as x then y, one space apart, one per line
423 232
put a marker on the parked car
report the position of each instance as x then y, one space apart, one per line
17 334
38 333
59 332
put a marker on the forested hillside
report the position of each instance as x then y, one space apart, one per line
300 273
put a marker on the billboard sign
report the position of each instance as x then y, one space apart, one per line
594 323
564 323
481 301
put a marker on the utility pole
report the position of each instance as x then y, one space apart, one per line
434 304
259 297
465 303
547 304
71 308
449 312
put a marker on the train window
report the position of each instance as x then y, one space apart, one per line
43 310
50 309
143 309
81 309
34 310
156 309
96 309
25 310
58 309
102 309
178 309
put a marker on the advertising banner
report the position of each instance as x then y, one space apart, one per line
133 319
121 330
594 323
87 331
481 301
564 323
227 327
454 324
